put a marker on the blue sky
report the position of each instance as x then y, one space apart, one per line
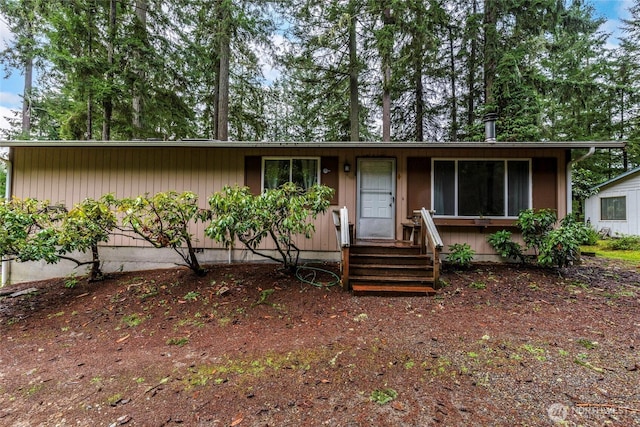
11 88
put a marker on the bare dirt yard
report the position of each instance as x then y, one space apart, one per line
499 345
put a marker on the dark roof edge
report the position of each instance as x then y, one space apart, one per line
342 144
620 177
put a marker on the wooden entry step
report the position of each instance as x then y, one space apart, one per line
390 268
390 289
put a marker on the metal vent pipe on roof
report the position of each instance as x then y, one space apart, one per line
490 127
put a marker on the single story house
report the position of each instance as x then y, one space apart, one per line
475 188
614 209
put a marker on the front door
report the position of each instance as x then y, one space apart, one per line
376 199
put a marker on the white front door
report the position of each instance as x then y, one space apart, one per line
376 199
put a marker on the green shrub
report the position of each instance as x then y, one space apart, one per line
552 246
279 214
585 234
502 243
560 247
460 255
164 220
623 243
28 230
591 236
535 225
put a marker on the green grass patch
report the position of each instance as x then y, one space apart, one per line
178 341
478 285
132 320
588 344
603 249
254 367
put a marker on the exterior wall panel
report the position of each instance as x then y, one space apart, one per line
70 174
628 188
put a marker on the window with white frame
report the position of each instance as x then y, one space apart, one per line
613 208
495 188
303 171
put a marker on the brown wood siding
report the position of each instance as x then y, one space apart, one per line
418 183
545 183
252 173
332 177
70 174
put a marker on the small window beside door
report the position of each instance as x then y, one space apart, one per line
303 171
613 208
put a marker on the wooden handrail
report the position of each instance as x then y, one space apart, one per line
341 222
430 240
433 235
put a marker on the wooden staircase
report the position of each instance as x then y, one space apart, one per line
390 268
387 266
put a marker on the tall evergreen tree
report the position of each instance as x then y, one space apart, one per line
24 21
627 78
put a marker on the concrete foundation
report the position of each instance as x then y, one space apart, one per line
116 259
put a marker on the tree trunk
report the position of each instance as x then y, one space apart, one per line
90 12
354 105
136 103
216 99
454 100
96 273
107 104
471 77
386 81
223 82
490 51
223 85
26 98
419 94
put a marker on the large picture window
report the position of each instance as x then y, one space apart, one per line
304 172
497 188
613 208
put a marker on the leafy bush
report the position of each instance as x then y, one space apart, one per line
623 243
163 220
31 230
502 243
279 213
585 234
460 255
85 226
535 225
591 236
560 247
553 247
27 230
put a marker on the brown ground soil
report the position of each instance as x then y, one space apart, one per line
248 346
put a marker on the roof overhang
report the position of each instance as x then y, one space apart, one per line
316 144
622 177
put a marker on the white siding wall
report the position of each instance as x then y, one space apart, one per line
630 188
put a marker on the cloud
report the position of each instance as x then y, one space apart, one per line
265 60
8 99
5 34
614 13
4 113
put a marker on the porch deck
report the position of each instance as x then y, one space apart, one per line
390 266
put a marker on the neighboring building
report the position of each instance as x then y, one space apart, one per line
615 208
475 188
